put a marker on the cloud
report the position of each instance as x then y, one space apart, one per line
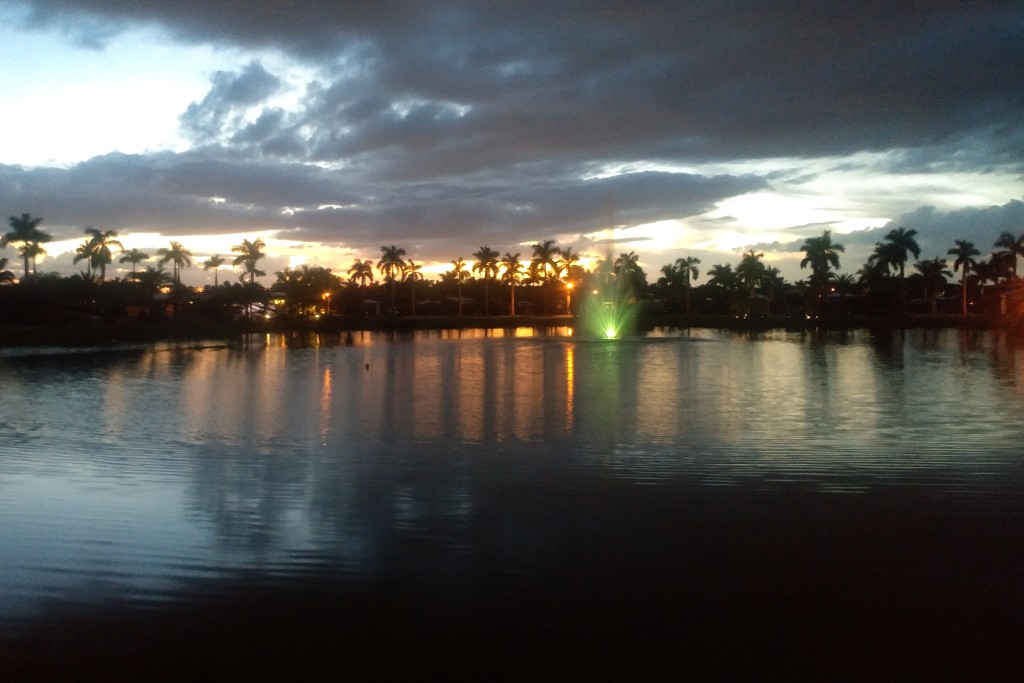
612 80
446 125
225 106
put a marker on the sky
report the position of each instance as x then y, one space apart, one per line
331 128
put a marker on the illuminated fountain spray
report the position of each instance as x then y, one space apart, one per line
609 309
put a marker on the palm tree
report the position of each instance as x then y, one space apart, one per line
411 274
84 252
459 274
751 271
178 256
544 266
845 285
934 273
32 251
568 260
822 255
390 265
964 252
101 242
512 272
361 273
894 250
627 272
1010 248
214 262
687 266
249 255
25 229
134 257
487 265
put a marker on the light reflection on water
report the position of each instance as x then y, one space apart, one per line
134 471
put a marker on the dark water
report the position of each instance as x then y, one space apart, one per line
516 506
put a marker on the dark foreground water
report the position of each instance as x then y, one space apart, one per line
523 507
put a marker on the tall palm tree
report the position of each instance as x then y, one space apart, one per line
1010 248
894 250
822 255
101 242
361 273
390 265
934 273
214 262
845 285
178 256
411 274
25 230
627 272
85 252
751 271
512 271
32 251
249 255
134 257
487 265
544 267
687 267
567 261
964 252
459 274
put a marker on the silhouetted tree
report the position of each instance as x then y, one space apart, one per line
512 272
214 263
1010 248
390 265
459 275
178 256
25 230
933 274
134 257
249 256
411 274
964 251
487 265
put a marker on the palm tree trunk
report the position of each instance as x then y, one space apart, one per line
512 309
963 291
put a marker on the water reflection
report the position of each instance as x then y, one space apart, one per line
142 467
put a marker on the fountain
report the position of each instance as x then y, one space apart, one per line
608 311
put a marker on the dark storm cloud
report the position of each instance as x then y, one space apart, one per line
620 80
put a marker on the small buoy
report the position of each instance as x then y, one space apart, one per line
367 366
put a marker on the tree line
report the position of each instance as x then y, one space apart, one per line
491 283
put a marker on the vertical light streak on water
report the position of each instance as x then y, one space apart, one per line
325 403
570 385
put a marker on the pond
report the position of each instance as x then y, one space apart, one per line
516 501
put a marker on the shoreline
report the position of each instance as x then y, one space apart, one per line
120 332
